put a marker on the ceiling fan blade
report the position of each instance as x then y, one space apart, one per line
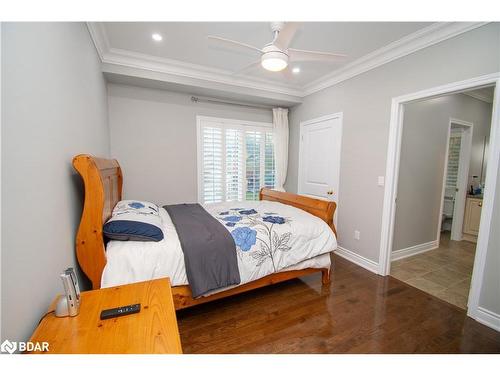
304 55
247 68
287 73
232 43
286 35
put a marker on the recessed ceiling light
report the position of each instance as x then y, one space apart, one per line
296 70
157 37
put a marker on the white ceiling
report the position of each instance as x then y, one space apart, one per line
187 42
187 61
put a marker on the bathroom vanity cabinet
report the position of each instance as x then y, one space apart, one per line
473 207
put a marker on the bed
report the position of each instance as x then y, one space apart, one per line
109 263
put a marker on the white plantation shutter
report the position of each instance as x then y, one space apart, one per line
234 165
453 160
212 151
253 142
269 163
235 160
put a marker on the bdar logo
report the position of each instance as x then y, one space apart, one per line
8 347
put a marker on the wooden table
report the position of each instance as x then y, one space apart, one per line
153 330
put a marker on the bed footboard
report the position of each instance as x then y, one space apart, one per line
317 207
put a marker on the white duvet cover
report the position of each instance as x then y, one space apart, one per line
270 237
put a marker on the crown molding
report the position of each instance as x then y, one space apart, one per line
407 45
180 69
191 71
99 37
478 96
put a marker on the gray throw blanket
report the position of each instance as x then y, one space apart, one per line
209 249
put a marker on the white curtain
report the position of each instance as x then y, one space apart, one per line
280 125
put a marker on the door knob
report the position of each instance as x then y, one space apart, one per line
480 204
330 192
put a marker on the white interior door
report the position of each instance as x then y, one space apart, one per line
319 171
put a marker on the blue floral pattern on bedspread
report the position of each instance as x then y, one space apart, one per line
244 238
256 234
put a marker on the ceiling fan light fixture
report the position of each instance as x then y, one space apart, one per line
274 61
276 55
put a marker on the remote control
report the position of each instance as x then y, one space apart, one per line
120 311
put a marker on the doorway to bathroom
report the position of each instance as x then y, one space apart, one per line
442 156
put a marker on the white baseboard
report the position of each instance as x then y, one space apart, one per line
414 250
351 256
487 317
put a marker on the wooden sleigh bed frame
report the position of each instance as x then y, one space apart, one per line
103 183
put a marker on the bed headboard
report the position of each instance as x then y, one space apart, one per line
317 207
103 181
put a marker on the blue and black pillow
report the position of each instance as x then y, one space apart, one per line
134 221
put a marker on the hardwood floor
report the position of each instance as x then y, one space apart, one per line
359 312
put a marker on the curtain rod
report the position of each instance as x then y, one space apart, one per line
197 99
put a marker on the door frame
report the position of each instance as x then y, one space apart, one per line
462 178
303 124
392 175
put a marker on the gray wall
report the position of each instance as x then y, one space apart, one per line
490 292
54 107
365 101
423 154
153 135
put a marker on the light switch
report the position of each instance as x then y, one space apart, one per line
381 180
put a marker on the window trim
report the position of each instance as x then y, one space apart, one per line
235 124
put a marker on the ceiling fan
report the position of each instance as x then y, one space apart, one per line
276 55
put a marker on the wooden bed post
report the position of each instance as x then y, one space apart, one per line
325 276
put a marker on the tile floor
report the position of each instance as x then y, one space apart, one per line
444 272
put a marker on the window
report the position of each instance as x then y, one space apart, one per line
235 159
453 159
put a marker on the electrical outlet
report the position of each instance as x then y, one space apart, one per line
357 234
381 180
